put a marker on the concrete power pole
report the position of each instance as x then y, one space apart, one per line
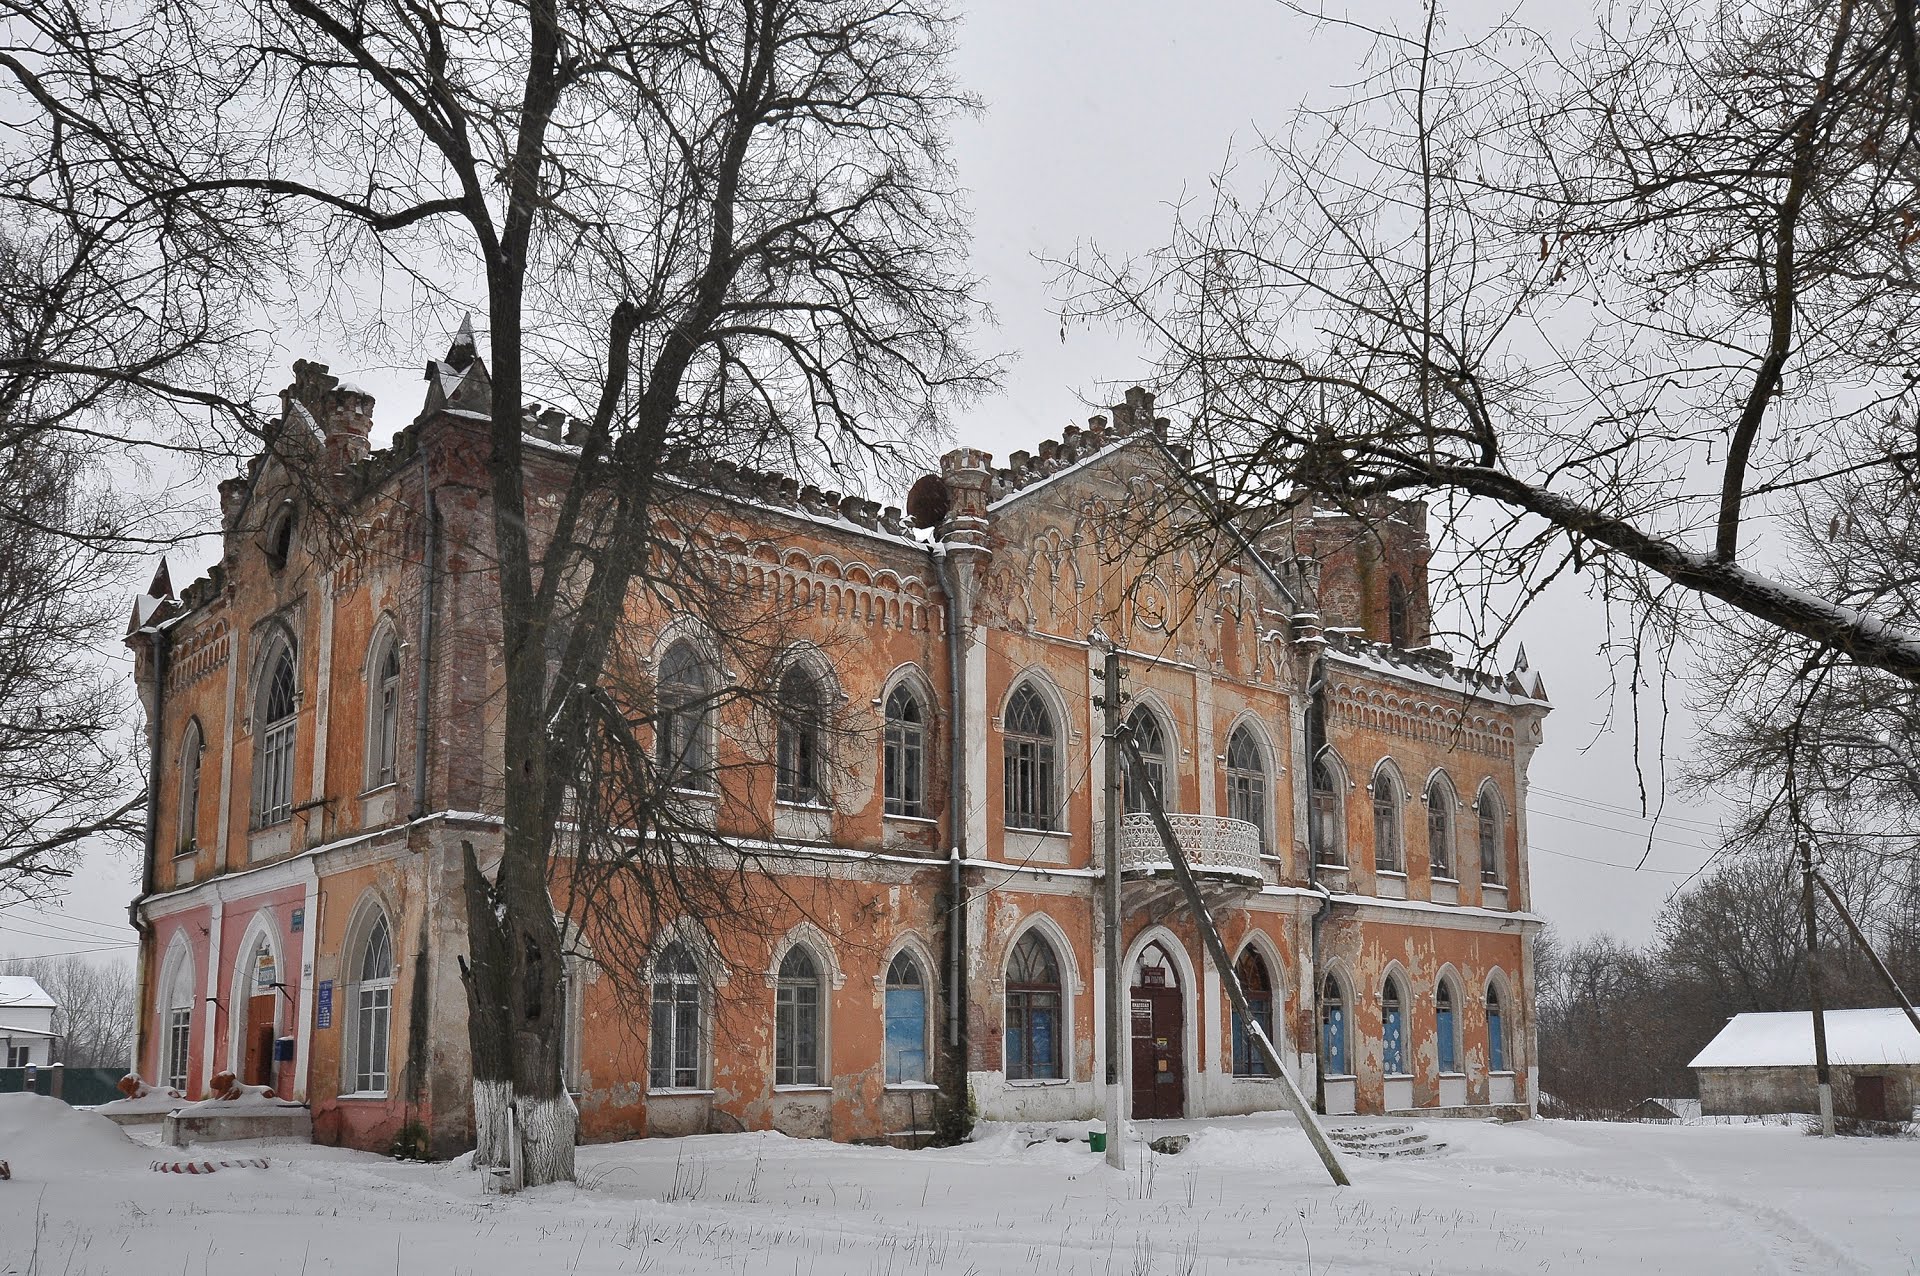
1116 1039
1821 1073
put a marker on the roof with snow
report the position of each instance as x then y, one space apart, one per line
1785 1040
24 990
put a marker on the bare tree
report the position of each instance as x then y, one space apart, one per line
1611 307
721 228
93 1022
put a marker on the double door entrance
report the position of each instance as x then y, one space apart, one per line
1159 1036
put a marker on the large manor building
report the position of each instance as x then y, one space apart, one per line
325 714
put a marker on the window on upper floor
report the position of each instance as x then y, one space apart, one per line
1151 738
383 712
1440 804
1399 619
187 820
275 718
1030 743
1327 825
801 728
1389 854
906 750
682 728
1490 813
1247 780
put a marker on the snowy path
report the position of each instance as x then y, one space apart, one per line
1246 1196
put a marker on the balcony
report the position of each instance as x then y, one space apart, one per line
1214 846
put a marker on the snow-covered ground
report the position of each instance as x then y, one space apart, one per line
1245 1196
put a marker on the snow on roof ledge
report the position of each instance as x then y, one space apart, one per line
25 991
1785 1040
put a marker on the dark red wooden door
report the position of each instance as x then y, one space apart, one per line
1870 1098
1159 1065
259 1041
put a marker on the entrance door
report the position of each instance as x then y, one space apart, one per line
1870 1098
259 1058
1159 1029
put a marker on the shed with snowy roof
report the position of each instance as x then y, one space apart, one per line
26 1022
1763 1063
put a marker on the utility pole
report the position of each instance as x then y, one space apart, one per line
1210 934
1853 928
1116 986
1821 1073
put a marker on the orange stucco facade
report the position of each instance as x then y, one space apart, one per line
325 710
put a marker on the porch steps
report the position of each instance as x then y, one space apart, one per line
1383 1142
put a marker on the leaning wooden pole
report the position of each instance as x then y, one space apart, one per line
1853 928
1217 949
1821 1073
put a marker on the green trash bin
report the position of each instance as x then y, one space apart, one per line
1097 1140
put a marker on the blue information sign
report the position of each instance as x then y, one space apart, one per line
324 1017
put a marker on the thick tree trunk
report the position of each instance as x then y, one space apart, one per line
485 975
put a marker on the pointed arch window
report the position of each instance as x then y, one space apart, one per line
906 1040
1151 737
1446 1027
1326 827
682 739
187 820
1393 1029
1496 1032
273 758
1247 781
1333 1028
1389 856
1440 803
383 726
178 1039
373 1009
905 754
1029 741
1033 1011
1488 812
1399 618
802 722
796 1028
676 1028
1257 986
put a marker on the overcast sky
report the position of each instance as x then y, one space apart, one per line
1099 117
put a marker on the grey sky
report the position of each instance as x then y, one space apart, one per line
1098 117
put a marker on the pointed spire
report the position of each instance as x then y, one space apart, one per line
464 349
162 586
1520 659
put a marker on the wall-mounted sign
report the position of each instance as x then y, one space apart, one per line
299 920
323 1016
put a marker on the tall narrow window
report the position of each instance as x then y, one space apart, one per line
273 756
1329 840
682 741
1388 854
802 712
373 1010
1030 802
1488 810
383 731
178 1040
1151 738
1496 1033
675 1028
1247 781
1399 621
186 839
1440 826
1333 1029
906 1042
1033 1011
796 1028
1257 987
1393 1030
906 744
1443 1022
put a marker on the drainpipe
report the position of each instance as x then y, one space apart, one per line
156 729
430 566
1316 730
956 821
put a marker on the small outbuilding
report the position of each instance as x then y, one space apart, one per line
26 1022
1762 1063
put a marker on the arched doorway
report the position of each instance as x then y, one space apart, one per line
1159 1034
256 1000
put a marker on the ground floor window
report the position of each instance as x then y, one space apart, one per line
1393 1031
19 1056
675 1026
1255 985
1443 1024
1496 1033
906 1041
179 1035
1033 1011
1333 1029
796 1028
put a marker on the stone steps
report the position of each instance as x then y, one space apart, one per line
1384 1142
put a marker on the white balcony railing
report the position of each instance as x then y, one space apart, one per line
1213 845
